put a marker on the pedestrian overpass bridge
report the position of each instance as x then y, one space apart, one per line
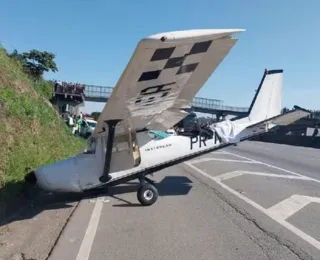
203 105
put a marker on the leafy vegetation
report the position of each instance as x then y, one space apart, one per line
35 62
31 132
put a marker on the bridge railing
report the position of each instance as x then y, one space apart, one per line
215 104
97 91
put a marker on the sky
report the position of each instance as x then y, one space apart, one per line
94 39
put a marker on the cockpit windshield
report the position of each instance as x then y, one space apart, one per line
158 135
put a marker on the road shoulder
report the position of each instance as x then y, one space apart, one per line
34 230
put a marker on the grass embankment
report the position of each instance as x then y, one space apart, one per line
31 132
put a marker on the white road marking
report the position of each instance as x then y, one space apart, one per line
276 217
274 175
86 245
275 167
229 175
220 159
226 187
289 206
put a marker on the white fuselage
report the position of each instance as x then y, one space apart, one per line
82 171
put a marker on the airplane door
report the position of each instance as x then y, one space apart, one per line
125 150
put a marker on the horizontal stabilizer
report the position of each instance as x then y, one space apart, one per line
290 117
286 118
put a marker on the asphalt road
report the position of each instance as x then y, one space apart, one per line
253 201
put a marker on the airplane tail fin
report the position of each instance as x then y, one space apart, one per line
265 110
267 101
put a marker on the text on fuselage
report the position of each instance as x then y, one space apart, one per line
202 141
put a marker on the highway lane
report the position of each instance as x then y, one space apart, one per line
219 206
302 160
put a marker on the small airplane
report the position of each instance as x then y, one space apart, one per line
154 93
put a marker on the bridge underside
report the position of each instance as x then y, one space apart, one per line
65 102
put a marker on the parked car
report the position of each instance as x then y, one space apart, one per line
87 127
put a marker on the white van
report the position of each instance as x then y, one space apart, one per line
87 127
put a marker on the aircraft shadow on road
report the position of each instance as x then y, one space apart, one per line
30 202
169 186
33 201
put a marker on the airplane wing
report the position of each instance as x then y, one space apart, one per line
164 73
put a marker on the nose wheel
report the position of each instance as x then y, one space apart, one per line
147 193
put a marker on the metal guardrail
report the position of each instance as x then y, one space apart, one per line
100 92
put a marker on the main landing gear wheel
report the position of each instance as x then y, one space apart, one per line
147 194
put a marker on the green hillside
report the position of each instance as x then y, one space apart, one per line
31 132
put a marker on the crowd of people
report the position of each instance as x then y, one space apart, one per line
62 87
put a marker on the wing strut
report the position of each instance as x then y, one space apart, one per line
105 177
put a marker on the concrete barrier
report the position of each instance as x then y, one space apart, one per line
305 141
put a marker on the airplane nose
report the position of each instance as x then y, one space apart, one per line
59 176
39 178
31 178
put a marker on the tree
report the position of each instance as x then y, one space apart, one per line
36 62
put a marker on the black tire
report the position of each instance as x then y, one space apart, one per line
147 194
